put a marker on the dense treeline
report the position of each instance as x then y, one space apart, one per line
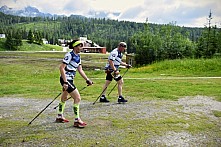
169 43
150 42
104 32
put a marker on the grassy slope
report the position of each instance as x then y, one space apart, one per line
33 72
186 67
35 47
31 47
36 75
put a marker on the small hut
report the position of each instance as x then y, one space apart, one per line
130 59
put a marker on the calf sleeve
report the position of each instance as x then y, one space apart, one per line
61 107
76 111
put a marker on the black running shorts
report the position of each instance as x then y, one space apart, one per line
109 77
71 86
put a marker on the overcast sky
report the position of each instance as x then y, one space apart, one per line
189 13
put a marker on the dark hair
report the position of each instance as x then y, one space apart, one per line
70 44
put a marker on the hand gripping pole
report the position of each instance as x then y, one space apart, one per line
116 83
70 96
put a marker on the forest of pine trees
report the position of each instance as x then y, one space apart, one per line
149 42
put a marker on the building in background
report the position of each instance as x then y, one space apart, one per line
88 46
2 35
130 59
91 47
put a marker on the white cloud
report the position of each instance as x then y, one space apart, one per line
77 6
114 5
187 13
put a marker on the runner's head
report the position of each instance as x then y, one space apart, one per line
75 43
122 46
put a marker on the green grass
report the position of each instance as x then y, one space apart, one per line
36 47
31 47
40 26
180 68
217 113
29 74
2 41
36 75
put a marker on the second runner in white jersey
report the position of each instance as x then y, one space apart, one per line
116 57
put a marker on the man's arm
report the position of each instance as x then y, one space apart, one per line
112 65
125 64
62 71
82 73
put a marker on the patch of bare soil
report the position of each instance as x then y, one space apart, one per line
25 109
198 105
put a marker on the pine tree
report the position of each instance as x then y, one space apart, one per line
30 37
208 44
13 40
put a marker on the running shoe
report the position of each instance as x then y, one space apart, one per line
103 99
79 124
121 100
61 120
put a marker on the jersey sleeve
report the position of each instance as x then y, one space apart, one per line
112 56
67 58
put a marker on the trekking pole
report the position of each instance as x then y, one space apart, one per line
58 104
44 109
70 96
99 95
116 83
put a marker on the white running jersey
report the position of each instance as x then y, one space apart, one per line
116 57
72 61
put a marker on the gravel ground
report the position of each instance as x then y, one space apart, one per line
25 109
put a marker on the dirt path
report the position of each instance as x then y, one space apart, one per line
25 109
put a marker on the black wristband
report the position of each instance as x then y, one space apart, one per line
65 82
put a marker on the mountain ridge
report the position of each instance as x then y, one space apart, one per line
30 11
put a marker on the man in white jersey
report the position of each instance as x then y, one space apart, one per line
111 69
68 68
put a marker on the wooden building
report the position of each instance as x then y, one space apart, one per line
130 59
94 50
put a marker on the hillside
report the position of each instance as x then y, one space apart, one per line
105 32
32 47
149 42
